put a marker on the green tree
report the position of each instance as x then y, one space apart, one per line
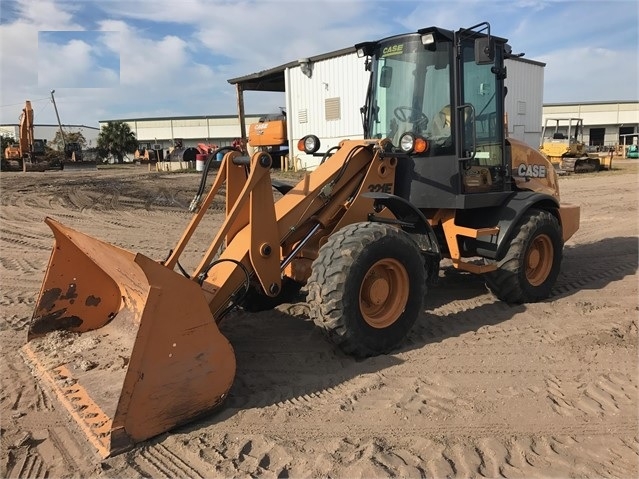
70 136
117 139
6 140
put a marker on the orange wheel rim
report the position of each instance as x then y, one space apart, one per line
539 259
384 293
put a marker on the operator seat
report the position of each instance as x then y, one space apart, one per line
439 132
440 125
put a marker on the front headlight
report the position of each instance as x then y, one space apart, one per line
407 142
410 143
309 144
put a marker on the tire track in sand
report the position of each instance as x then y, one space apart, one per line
609 394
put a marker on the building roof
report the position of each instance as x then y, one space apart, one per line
273 78
189 117
577 103
52 125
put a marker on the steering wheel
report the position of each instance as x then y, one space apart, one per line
406 113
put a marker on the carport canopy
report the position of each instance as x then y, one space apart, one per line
271 80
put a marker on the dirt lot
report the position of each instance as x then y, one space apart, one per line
480 389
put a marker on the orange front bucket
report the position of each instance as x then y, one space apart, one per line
128 346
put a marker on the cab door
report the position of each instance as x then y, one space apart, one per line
480 114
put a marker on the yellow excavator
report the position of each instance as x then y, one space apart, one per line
131 345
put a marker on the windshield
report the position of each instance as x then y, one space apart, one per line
410 90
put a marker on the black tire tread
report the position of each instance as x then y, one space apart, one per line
501 281
326 296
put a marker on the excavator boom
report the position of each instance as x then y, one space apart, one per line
26 128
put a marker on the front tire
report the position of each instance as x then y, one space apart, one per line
366 288
531 265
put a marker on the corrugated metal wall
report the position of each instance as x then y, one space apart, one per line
219 130
524 101
337 85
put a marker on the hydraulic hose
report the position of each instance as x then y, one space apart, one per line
233 300
198 196
328 154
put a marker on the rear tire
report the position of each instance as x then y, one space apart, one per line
530 268
366 288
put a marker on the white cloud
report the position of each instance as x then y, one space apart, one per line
262 34
17 66
534 5
176 56
19 51
72 65
153 63
47 15
589 74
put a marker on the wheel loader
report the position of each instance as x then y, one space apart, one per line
131 345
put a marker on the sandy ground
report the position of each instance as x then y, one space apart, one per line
480 389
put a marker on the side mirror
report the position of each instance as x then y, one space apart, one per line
386 76
484 50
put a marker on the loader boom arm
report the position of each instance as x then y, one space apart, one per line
163 341
263 236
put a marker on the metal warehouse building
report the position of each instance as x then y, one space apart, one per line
48 132
218 129
606 124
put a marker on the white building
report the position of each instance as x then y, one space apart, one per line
216 129
605 123
324 95
48 132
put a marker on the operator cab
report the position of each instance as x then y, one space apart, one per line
444 90
73 147
38 147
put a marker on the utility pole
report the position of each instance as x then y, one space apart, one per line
64 140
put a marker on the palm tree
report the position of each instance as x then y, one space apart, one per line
116 138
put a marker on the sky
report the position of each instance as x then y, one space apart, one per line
117 59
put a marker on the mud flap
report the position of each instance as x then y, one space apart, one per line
128 346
